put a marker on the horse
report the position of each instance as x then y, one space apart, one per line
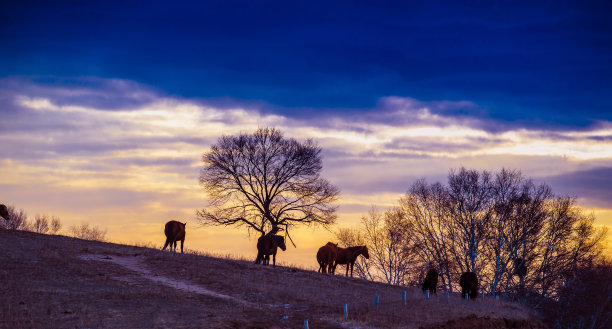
349 255
326 256
431 281
4 212
469 285
174 232
267 245
520 269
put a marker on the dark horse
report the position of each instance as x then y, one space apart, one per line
326 256
267 245
175 231
469 285
349 255
431 281
520 269
4 212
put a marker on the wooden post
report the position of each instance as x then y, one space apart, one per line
404 297
427 294
376 301
345 311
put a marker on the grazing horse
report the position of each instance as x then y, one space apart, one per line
349 255
520 269
4 212
326 256
469 285
431 281
267 245
175 231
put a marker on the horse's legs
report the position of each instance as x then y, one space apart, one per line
352 263
274 259
347 268
182 241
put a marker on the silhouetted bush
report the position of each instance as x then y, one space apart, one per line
85 232
585 301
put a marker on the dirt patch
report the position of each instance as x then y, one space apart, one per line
136 264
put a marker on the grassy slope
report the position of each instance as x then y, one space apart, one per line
44 284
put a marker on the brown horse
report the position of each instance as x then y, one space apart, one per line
175 231
326 256
349 255
431 281
4 212
267 245
469 285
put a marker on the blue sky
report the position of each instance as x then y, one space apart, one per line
108 106
538 64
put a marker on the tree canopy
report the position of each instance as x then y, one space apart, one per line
266 182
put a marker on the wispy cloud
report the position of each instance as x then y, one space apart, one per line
135 147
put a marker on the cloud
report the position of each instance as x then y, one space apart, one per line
594 185
143 140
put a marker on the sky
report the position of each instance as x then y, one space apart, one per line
107 107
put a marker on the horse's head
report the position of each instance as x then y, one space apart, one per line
280 241
4 212
364 252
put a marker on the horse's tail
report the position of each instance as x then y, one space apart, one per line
167 243
259 257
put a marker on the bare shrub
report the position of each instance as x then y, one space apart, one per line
19 220
41 223
85 232
55 225
585 301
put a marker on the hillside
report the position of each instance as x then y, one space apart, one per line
61 282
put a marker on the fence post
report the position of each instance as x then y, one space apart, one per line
376 301
404 297
345 308
427 294
306 324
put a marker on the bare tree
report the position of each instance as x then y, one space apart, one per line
469 193
266 182
385 234
517 236
84 231
426 208
567 242
518 217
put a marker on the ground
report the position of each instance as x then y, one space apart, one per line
61 282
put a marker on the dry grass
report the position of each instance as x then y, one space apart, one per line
46 285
